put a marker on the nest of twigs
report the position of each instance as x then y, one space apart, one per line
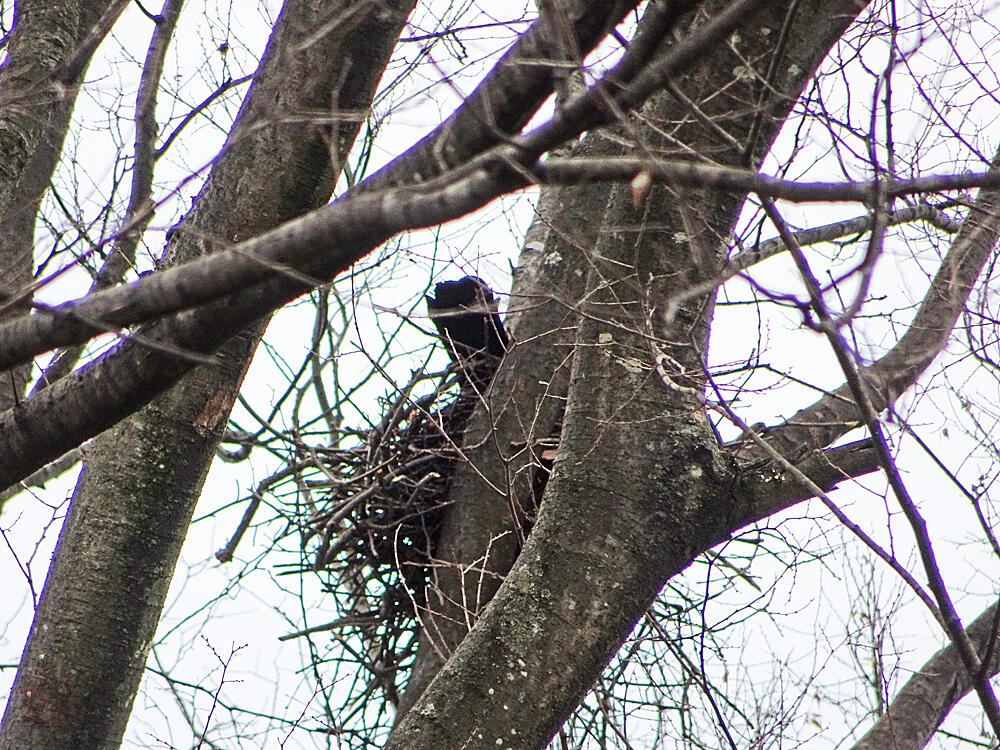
385 506
377 528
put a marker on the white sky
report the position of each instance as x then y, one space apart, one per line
816 598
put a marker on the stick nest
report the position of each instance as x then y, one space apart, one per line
377 528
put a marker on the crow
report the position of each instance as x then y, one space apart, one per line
465 315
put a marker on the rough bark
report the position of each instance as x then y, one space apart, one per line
498 107
523 407
319 245
527 397
128 517
32 128
48 51
17 237
640 487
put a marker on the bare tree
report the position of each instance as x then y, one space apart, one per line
507 551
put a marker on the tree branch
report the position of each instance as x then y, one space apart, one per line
29 92
835 414
346 229
138 214
930 694
511 93
320 244
860 392
690 174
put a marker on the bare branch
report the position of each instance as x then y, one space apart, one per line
512 92
691 174
834 415
31 91
346 228
859 390
138 214
927 697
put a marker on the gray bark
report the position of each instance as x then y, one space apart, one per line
32 128
115 558
49 48
522 408
640 486
322 245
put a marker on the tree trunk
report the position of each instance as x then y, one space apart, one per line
640 486
115 558
33 124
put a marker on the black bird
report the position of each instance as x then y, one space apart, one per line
465 314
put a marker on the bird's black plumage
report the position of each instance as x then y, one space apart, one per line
465 314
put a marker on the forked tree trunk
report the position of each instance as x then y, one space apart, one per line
129 515
629 442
